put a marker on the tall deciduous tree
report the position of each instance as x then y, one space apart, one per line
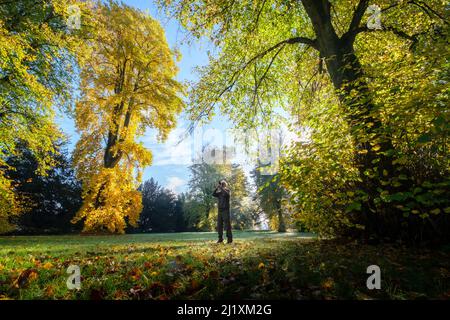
38 55
243 213
127 86
270 51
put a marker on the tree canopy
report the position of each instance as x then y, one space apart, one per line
374 98
127 86
38 56
368 82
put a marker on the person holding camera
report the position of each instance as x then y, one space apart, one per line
222 193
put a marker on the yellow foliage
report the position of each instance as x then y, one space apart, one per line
37 59
127 86
9 204
109 198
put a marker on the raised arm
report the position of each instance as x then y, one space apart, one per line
216 192
226 190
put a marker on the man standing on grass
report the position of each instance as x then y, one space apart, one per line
223 217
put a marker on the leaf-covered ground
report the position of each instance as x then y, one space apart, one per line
259 265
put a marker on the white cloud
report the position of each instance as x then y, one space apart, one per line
182 150
172 151
173 183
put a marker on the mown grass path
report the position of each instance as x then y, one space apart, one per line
258 265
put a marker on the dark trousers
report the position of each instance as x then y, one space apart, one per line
224 220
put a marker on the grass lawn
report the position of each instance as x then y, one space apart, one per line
259 265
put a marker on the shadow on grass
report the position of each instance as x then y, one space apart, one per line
256 266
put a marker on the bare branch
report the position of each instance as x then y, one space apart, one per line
358 14
310 42
395 31
428 10
258 84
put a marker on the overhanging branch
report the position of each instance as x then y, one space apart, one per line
358 15
413 38
355 28
310 42
307 41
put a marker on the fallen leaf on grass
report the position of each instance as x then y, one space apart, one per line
97 294
135 274
119 294
194 284
328 284
49 291
25 278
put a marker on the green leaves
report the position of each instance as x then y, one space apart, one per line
38 58
353 206
189 266
424 138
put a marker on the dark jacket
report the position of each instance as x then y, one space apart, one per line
223 195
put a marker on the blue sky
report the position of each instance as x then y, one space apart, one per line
171 158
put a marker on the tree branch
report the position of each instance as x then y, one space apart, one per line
310 42
427 9
258 83
358 14
307 41
395 31
355 29
413 38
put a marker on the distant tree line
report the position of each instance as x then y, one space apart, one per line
162 210
50 201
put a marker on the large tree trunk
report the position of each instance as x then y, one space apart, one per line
344 68
111 158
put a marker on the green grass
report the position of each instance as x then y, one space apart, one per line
259 265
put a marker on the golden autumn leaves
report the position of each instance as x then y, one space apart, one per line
110 197
127 86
